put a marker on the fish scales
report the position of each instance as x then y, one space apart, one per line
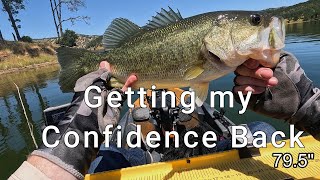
169 51
174 52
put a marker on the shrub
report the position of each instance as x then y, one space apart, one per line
69 38
26 39
95 42
48 50
18 48
33 51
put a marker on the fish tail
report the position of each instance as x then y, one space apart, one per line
74 64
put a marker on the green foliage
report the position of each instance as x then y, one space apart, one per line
95 42
309 10
14 6
26 39
69 38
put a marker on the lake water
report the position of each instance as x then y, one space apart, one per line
40 89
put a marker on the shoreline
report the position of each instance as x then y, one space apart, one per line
298 22
29 67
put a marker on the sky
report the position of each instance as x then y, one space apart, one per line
37 20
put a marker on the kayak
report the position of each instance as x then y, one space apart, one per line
244 163
226 165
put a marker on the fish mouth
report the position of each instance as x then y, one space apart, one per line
209 54
213 57
276 41
217 61
276 37
272 41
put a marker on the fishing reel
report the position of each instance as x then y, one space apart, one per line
165 117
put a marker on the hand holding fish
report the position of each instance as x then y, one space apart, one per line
253 77
129 82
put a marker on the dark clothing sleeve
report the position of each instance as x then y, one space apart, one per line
294 99
80 118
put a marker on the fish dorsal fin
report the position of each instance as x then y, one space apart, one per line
163 19
119 30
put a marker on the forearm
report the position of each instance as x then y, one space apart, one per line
307 118
49 169
40 168
79 118
60 160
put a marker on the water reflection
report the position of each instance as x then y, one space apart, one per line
37 88
303 40
303 32
312 28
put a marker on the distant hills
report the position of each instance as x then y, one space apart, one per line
305 11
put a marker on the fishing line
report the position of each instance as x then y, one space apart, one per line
30 126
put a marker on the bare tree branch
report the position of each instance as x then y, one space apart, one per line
54 19
57 5
73 6
58 12
1 37
77 18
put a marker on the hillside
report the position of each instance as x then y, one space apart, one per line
305 11
21 55
83 41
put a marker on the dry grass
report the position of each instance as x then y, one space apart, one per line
21 54
21 61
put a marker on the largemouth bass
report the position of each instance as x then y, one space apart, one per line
174 52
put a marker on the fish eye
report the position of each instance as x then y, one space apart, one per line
255 19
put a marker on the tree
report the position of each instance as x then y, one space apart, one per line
54 18
12 8
71 5
1 37
26 39
69 38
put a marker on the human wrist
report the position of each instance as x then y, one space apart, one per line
79 119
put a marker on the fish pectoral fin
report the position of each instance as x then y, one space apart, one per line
193 72
119 30
201 91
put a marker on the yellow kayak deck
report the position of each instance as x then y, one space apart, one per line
226 165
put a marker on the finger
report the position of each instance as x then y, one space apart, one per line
130 81
246 88
245 80
273 81
259 73
105 65
251 64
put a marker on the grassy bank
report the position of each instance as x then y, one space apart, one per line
24 62
15 56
